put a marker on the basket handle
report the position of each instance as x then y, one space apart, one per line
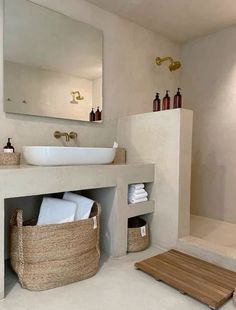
17 219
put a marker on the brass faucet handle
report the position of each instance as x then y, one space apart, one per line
73 135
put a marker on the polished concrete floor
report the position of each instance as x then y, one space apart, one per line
116 286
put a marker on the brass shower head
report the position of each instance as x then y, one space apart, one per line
174 64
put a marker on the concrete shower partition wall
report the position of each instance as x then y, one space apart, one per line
165 139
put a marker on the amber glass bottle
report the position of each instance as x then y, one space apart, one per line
92 116
166 101
97 115
156 103
177 100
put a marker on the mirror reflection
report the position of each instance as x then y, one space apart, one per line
52 64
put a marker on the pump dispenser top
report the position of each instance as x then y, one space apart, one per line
8 148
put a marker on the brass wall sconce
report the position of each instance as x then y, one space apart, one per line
76 96
174 64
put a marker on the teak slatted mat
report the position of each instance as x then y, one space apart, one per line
206 282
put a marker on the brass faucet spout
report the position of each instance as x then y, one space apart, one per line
58 134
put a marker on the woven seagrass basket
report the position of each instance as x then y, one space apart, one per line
50 256
138 234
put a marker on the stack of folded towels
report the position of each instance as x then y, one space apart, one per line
71 208
137 193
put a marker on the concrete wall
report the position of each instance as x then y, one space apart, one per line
209 87
165 139
130 79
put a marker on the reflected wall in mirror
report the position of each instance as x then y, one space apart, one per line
52 64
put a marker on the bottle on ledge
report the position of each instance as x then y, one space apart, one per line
97 115
92 116
177 100
166 101
156 103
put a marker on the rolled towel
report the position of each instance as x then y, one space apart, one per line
133 200
137 191
138 196
84 205
136 186
56 211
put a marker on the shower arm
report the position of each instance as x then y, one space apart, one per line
159 60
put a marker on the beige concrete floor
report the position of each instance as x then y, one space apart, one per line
116 286
217 236
214 231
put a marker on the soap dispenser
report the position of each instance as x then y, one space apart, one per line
166 101
8 148
156 103
92 116
97 115
177 100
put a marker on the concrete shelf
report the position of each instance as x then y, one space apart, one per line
141 208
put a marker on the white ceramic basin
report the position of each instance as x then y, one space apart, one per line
61 156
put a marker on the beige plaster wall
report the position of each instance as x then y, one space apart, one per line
209 87
130 79
165 139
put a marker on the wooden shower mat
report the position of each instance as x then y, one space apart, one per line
206 282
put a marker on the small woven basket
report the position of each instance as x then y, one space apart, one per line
50 256
9 159
138 234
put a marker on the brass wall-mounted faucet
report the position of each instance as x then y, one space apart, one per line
69 136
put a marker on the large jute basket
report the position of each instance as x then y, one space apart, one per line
50 256
138 234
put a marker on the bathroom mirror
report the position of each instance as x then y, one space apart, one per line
52 63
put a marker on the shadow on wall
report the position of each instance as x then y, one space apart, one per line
208 186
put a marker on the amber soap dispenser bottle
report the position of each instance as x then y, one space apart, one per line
166 101
177 100
156 103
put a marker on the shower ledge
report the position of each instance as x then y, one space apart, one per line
214 253
20 181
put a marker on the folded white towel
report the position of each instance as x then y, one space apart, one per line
133 200
84 205
56 211
136 186
138 196
137 191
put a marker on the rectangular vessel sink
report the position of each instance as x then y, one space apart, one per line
61 156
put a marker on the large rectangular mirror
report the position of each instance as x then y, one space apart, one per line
52 64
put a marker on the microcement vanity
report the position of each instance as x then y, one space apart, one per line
107 184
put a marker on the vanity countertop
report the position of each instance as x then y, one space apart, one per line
23 180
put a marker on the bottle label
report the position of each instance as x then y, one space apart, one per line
8 151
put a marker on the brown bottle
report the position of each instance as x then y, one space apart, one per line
156 103
177 100
97 115
166 101
92 116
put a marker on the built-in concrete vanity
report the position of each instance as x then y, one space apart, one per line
108 184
